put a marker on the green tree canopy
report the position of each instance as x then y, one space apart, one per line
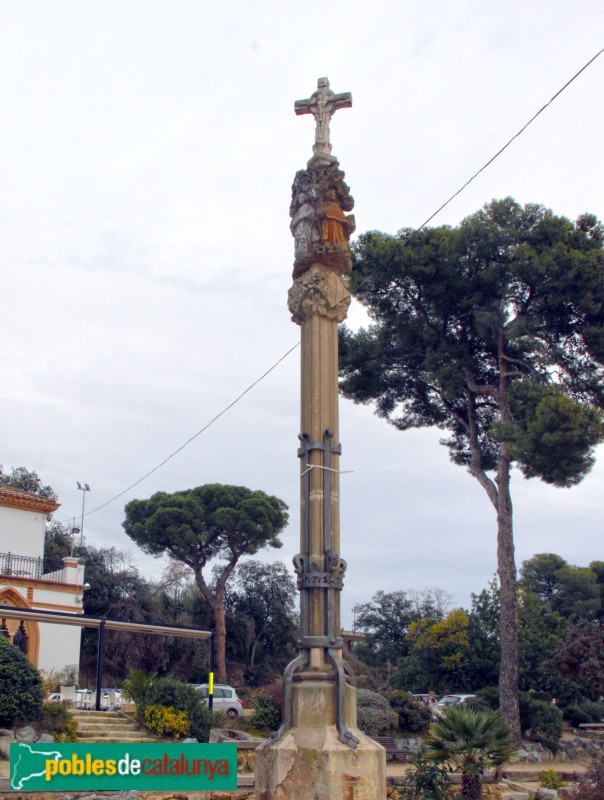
574 592
58 543
264 597
210 522
539 574
492 331
386 619
483 634
540 632
118 590
27 480
443 647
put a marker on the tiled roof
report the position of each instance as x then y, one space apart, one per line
11 497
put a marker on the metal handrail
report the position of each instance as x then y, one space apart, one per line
21 566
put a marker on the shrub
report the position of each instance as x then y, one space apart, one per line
479 704
546 697
21 689
166 721
375 716
136 686
57 720
70 734
591 786
267 711
274 690
180 696
490 696
427 781
546 725
413 716
576 715
549 779
527 709
595 710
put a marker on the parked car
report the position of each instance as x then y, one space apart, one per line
421 698
451 700
225 698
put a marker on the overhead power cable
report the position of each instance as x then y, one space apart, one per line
487 164
507 144
192 438
416 230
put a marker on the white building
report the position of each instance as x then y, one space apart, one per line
23 584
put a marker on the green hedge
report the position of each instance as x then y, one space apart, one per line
21 691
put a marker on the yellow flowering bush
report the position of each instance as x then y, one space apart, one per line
549 779
166 721
69 734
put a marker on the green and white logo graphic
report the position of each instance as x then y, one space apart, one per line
105 767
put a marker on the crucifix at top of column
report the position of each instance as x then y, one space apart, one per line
323 104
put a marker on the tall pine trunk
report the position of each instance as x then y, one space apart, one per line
506 566
220 640
216 603
508 618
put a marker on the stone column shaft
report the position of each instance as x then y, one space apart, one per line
319 366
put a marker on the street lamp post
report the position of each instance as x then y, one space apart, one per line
83 488
73 532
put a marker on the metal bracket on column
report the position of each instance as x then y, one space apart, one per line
345 735
288 714
306 642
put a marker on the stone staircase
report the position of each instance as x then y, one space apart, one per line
109 726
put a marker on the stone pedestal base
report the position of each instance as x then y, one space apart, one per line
310 763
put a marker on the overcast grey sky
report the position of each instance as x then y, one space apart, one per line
147 153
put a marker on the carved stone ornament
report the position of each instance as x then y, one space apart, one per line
319 224
318 291
309 578
320 580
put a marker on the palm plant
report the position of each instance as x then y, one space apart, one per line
470 741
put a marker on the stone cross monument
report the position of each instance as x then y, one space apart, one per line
318 753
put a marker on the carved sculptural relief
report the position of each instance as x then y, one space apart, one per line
319 224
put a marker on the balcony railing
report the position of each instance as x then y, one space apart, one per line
22 566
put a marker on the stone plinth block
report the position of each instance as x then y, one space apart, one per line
310 763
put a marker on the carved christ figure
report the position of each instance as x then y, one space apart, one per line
323 104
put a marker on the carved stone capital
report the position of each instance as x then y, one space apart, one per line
318 291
